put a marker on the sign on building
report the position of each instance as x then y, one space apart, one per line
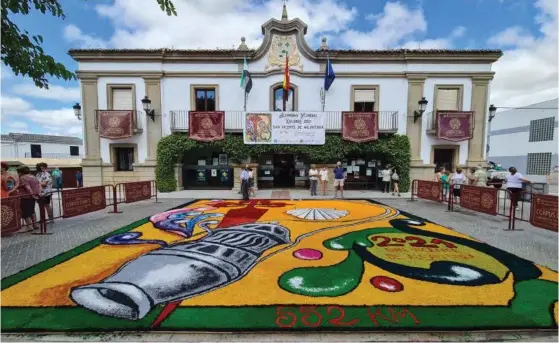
304 128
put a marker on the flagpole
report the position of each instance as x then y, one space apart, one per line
245 106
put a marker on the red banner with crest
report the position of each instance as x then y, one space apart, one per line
454 126
136 191
11 215
83 200
115 124
360 127
207 126
543 212
429 190
480 199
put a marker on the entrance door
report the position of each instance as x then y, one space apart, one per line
444 158
284 170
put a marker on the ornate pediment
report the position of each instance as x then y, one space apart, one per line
280 47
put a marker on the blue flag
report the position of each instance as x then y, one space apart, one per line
329 75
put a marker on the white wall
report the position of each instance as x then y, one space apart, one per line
429 93
19 149
140 139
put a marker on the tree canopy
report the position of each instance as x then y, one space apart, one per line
23 52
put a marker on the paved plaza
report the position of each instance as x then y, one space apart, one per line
315 249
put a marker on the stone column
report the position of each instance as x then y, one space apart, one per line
480 95
92 163
154 128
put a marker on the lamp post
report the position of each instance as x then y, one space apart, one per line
422 106
492 112
77 111
146 104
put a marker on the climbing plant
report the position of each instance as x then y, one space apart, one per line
394 149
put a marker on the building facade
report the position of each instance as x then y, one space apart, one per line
526 138
17 146
391 82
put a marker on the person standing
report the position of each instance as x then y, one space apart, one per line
339 177
457 181
313 177
386 179
514 182
251 189
324 179
445 180
395 180
438 173
30 188
79 179
244 183
480 177
45 180
57 174
10 182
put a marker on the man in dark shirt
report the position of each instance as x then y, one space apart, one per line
339 176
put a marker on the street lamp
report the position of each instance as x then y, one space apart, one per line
77 111
422 105
146 103
492 112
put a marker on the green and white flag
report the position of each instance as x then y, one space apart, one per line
246 80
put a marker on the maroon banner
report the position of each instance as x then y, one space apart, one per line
454 126
115 124
136 191
360 127
480 199
207 126
543 212
11 215
429 190
83 200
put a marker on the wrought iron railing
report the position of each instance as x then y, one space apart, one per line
431 121
388 120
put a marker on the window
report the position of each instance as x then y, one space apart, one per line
36 151
205 99
121 98
278 99
124 159
74 151
541 130
539 163
364 100
447 99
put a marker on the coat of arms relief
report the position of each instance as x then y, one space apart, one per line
280 47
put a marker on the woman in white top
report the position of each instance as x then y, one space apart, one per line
395 181
457 180
324 179
514 182
313 177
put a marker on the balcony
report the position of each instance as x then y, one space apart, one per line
53 155
431 123
388 121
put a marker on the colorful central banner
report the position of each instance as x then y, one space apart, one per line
115 124
299 128
454 126
360 127
207 126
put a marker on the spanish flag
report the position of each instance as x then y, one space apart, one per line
286 80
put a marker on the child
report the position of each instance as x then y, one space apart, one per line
445 180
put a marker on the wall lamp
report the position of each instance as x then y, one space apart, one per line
146 103
492 112
422 105
77 110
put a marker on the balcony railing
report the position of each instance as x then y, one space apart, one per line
137 117
388 121
431 122
53 155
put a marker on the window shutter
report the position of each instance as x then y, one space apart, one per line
447 99
364 95
122 99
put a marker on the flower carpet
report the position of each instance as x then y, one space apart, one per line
228 265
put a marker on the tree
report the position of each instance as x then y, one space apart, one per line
23 53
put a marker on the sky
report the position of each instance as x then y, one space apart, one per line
526 31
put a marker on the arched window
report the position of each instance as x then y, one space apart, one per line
278 99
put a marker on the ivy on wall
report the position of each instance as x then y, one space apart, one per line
394 150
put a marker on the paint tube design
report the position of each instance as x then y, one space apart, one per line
180 271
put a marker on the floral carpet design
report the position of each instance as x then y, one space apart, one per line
227 265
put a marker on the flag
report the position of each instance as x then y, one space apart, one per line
329 75
246 80
286 79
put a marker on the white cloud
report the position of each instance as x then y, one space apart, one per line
74 34
13 105
58 93
528 72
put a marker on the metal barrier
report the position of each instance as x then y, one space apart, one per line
431 190
70 203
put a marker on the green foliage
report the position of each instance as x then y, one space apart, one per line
394 149
23 52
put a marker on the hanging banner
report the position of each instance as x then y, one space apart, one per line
11 215
454 126
115 124
543 212
83 200
360 127
429 190
480 199
207 126
295 128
